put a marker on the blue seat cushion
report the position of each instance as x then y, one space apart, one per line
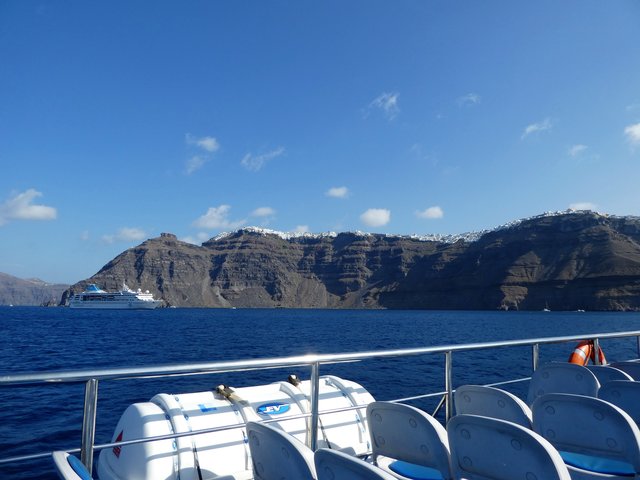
598 464
78 467
417 472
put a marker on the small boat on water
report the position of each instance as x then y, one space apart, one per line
95 297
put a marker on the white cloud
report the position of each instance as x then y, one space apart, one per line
632 132
21 207
431 213
542 126
255 163
208 144
576 150
376 217
337 192
200 238
468 100
301 229
125 234
217 218
387 103
583 206
195 163
263 212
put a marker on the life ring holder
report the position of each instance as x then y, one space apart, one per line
584 352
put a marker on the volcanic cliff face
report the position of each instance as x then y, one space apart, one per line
566 261
18 291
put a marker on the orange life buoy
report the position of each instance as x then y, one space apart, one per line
585 351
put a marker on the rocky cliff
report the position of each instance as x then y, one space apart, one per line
17 291
568 261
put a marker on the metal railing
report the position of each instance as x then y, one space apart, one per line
91 379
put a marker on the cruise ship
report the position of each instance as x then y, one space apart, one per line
95 297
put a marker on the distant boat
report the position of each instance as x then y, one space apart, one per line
546 307
95 297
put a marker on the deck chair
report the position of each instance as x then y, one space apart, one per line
408 442
623 394
276 455
631 368
607 373
336 465
69 467
595 438
562 378
491 402
484 448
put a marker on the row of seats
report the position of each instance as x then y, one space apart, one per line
595 438
408 443
594 427
610 384
576 379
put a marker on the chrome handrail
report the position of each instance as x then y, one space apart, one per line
81 376
92 377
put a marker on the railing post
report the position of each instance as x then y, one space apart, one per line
89 423
448 384
315 396
596 352
535 356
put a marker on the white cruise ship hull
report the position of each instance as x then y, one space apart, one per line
116 304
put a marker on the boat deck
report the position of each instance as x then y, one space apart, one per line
315 364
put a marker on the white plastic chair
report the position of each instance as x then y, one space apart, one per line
607 373
336 465
485 448
492 402
595 438
69 467
562 378
276 455
631 368
623 394
408 442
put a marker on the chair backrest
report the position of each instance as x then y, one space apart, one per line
407 433
485 448
630 368
492 402
591 428
69 467
607 373
276 455
336 465
562 378
623 394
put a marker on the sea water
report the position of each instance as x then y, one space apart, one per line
46 418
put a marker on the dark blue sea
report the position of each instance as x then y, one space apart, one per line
47 418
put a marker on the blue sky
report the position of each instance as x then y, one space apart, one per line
121 120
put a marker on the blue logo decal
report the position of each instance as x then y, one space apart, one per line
205 407
273 408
